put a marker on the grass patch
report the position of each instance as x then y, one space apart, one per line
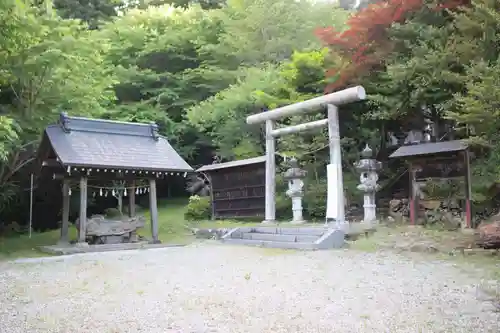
486 269
221 224
483 265
171 222
242 223
172 228
365 244
20 246
405 235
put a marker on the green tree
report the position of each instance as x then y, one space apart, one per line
443 65
92 12
475 109
156 53
48 65
205 4
222 117
257 31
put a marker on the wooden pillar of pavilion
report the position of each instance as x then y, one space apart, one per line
153 208
468 189
131 199
83 211
65 213
131 207
413 204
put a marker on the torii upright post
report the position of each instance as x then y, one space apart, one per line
335 201
335 212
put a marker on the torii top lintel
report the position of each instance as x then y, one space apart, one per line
341 97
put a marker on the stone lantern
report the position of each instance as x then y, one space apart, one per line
368 168
294 176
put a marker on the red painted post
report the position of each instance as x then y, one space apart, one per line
413 215
468 214
412 212
468 190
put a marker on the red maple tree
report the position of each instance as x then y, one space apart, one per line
365 44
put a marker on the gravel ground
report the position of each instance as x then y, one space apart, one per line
218 288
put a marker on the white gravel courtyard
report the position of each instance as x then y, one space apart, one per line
210 287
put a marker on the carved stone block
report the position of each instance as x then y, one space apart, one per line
111 231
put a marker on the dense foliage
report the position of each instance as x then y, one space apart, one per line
198 68
432 59
198 208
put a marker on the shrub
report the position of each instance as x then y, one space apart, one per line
283 207
315 199
198 208
316 195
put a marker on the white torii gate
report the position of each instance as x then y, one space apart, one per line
335 195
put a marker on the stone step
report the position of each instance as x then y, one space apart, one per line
324 238
272 244
311 231
279 237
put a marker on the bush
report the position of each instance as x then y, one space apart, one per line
198 208
352 194
315 199
316 195
283 207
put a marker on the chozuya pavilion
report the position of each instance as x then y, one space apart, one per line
81 150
